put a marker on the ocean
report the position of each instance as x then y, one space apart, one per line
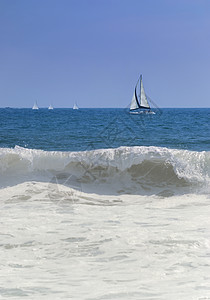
101 204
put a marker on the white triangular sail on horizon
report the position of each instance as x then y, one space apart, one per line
140 102
143 98
75 106
35 106
134 102
50 107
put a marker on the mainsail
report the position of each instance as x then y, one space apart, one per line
141 102
143 98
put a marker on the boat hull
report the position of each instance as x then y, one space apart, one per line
141 112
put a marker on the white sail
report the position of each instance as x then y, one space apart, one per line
143 98
35 106
134 103
139 102
75 106
50 107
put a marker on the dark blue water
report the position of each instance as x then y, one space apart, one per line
86 129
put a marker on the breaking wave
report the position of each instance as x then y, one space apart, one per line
124 170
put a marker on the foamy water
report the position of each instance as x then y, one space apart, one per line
125 223
103 247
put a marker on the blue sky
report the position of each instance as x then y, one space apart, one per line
92 52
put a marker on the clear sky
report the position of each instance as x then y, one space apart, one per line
92 52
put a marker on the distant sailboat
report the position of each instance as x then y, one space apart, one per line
75 106
50 107
35 106
139 104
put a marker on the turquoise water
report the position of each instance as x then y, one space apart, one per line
87 129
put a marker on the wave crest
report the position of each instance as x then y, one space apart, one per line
133 170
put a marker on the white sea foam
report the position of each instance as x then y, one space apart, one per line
101 225
89 246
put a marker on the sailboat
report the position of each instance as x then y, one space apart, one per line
75 106
139 104
35 106
50 107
